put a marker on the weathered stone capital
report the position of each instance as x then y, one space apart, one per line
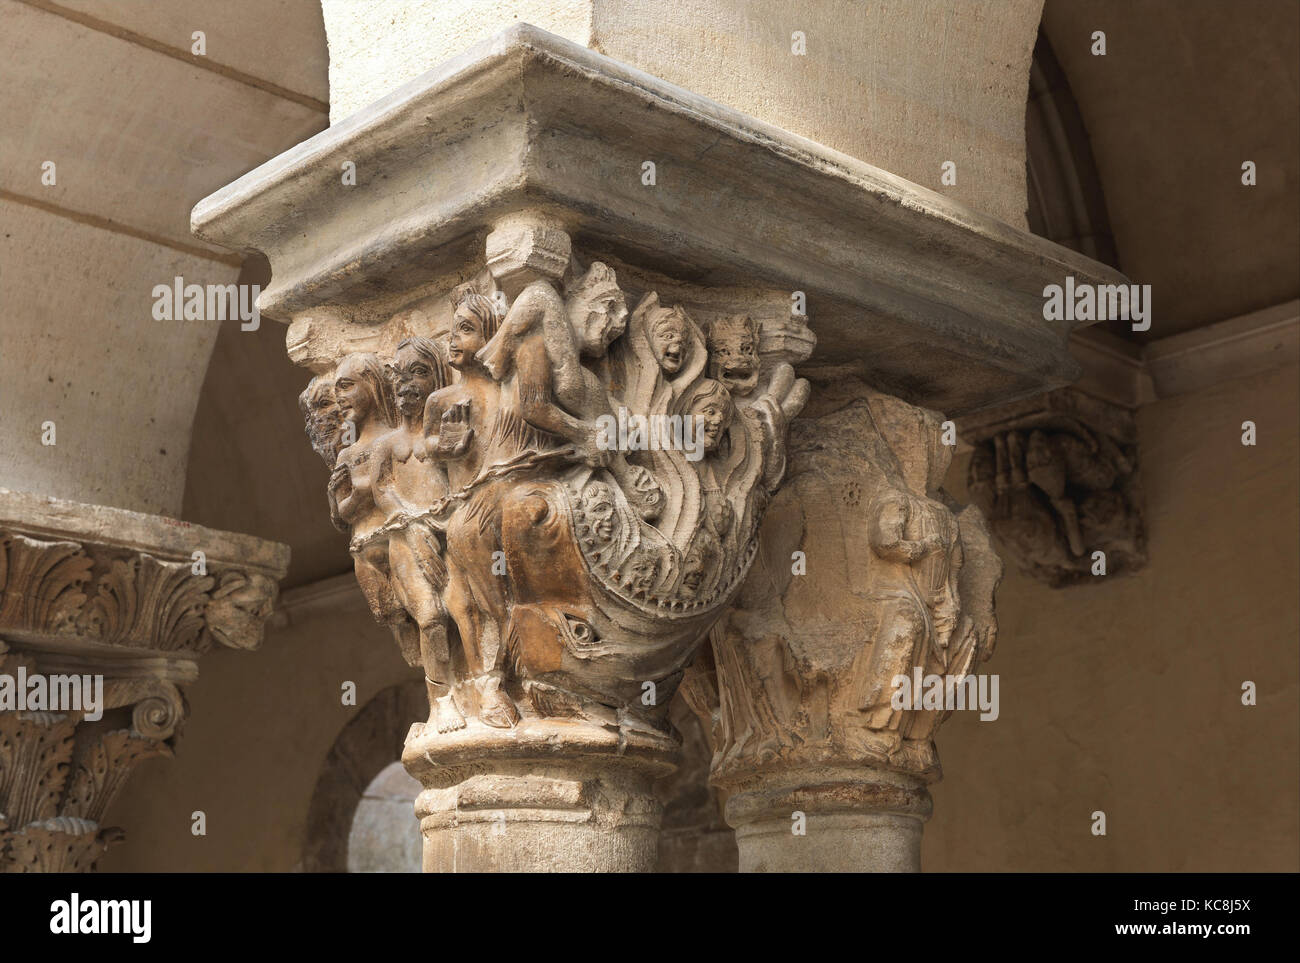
553 324
1057 478
869 608
104 614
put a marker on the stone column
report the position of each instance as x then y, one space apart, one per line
500 270
104 615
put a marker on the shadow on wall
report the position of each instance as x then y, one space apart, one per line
251 468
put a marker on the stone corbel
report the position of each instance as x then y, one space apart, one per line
502 276
1057 478
121 603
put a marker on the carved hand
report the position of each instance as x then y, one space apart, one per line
787 395
593 453
454 432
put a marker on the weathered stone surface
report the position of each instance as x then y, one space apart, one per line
541 564
868 83
121 123
694 837
1057 479
249 36
120 604
1239 244
135 136
467 343
736 202
867 572
70 357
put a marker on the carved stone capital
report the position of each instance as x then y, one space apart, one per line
104 614
867 571
552 478
603 254
1057 478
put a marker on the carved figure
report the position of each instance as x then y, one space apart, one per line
1056 491
550 568
367 412
321 414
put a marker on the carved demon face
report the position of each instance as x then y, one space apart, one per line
321 413
598 508
641 572
695 567
597 310
733 354
415 377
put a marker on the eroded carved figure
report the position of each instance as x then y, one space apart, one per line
1057 491
867 571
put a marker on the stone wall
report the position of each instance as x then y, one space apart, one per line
1125 696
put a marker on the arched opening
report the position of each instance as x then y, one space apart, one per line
359 800
385 836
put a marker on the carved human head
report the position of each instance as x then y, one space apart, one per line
320 412
363 390
700 558
473 325
733 353
598 509
668 330
417 370
641 571
711 406
597 309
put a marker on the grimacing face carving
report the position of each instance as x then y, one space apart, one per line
415 378
641 573
597 310
598 506
694 569
668 340
733 354
623 564
711 409
321 412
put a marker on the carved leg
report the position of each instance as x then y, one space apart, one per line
473 544
893 654
420 580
